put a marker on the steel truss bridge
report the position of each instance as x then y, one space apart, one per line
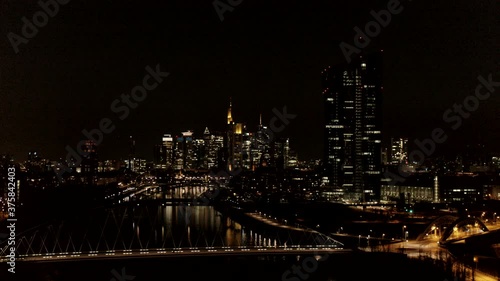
149 230
449 229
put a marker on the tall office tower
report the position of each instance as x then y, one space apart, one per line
189 162
261 152
214 144
257 146
399 151
157 155
229 112
131 153
207 137
255 155
178 163
238 146
167 151
184 151
90 162
280 153
217 151
385 156
352 96
247 150
233 142
198 154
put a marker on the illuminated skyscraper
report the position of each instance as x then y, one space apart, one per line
247 150
167 151
399 151
214 146
280 153
352 95
184 152
261 152
198 161
89 162
131 153
233 142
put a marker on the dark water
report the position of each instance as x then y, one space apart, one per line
360 266
148 226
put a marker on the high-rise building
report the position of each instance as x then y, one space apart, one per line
261 147
214 145
385 156
280 153
136 164
131 153
246 146
352 96
90 162
198 154
399 151
184 152
167 151
157 155
233 142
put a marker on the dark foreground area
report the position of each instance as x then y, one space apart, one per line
339 267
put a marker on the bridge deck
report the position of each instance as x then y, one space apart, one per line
177 252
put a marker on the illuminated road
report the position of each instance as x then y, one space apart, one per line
430 248
176 252
275 223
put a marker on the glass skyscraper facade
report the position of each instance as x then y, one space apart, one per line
352 95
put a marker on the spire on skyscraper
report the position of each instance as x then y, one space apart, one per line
229 113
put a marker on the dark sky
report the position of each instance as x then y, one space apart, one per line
264 54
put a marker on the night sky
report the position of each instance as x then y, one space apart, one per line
264 54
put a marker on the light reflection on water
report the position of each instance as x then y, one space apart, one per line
191 226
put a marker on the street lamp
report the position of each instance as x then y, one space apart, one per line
474 268
403 235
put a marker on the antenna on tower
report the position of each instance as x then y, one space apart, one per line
229 113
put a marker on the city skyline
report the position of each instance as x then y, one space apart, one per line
71 77
249 140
